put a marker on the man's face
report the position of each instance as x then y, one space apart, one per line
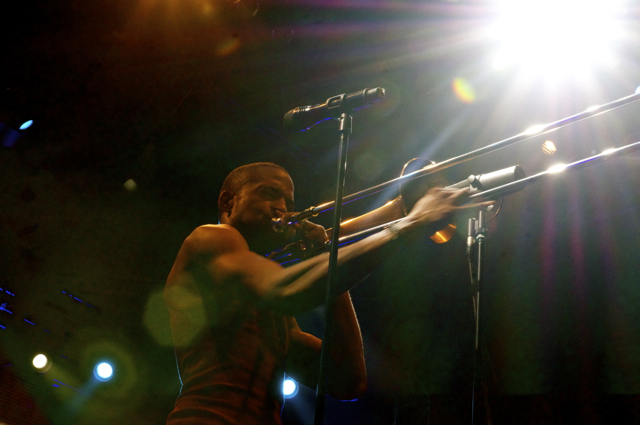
268 194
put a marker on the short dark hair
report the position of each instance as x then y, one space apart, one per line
243 175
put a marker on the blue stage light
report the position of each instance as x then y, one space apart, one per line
289 388
26 125
103 371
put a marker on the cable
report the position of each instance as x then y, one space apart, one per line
497 211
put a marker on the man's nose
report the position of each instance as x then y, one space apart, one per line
279 207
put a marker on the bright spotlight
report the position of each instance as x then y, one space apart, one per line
500 61
557 37
289 388
103 371
609 151
638 90
40 361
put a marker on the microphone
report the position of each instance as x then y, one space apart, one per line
303 118
487 181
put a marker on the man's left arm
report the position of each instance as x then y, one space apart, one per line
347 375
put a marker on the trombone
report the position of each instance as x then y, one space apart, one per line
502 183
278 224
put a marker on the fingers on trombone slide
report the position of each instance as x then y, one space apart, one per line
313 234
461 196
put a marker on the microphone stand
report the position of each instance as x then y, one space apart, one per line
330 296
476 239
478 232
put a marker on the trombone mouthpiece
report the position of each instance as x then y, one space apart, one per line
278 224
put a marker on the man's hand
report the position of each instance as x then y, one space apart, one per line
438 205
307 236
312 235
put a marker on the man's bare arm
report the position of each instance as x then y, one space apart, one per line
347 379
226 260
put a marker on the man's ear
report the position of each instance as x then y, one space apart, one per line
226 202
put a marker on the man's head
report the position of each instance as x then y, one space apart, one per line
250 197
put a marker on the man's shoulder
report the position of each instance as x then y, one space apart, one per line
214 239
203 247
214 230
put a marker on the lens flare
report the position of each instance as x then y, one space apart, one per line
130 185
156 318
464 90
228 46
549 148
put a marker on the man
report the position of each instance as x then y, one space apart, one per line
232 308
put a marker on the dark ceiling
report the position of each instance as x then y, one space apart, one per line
174 95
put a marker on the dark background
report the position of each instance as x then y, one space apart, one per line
174 95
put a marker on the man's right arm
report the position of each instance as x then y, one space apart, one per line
222 254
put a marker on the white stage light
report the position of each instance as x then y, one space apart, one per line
289 388
40 361
556 37
103 371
